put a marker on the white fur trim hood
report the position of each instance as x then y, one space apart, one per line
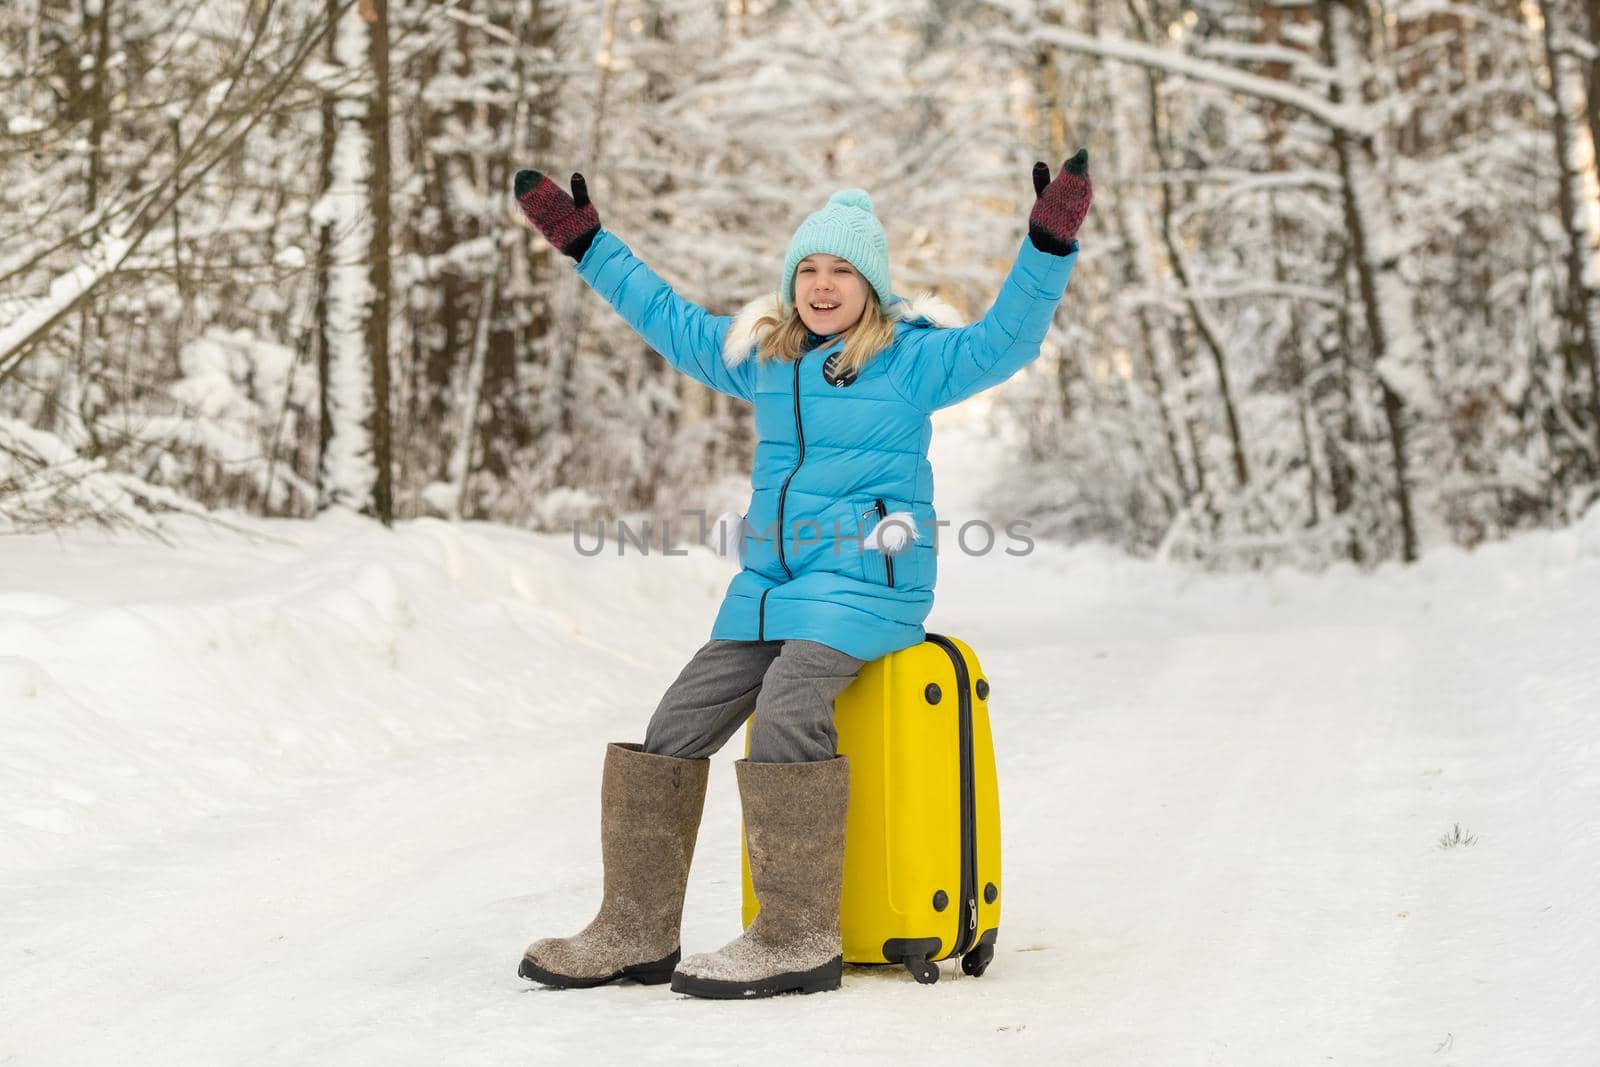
923 308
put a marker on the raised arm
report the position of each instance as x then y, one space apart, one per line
685 334
688 335
944 367
947 366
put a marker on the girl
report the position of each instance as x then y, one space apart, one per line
843 376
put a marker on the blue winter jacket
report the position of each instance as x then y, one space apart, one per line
831 460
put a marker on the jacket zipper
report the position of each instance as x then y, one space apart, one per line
968 918
888 560
800 432
761 623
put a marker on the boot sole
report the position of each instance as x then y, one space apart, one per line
653 973
817 980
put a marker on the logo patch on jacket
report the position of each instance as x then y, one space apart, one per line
830 371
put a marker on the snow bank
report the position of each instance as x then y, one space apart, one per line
147 685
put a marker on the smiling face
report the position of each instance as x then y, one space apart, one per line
829 293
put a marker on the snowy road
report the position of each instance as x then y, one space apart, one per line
306 803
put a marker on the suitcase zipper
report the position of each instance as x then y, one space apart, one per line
968 931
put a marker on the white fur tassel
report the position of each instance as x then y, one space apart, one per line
892 533
725 533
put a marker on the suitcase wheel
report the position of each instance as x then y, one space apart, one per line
977 961
924 972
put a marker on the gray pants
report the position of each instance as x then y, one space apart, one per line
790 685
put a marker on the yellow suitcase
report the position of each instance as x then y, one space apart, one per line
922 837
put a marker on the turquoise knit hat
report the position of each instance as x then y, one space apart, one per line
846 228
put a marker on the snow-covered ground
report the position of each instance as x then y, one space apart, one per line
305 797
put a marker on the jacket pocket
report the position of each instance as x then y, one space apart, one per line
877 564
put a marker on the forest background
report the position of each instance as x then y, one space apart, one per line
1339 296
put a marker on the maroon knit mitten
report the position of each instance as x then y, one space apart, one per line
568 222
1061 205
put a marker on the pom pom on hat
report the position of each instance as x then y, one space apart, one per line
856 198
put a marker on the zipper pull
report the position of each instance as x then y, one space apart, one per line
972 915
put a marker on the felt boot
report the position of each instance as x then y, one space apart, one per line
794 815
649 817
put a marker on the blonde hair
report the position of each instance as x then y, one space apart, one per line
783 337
